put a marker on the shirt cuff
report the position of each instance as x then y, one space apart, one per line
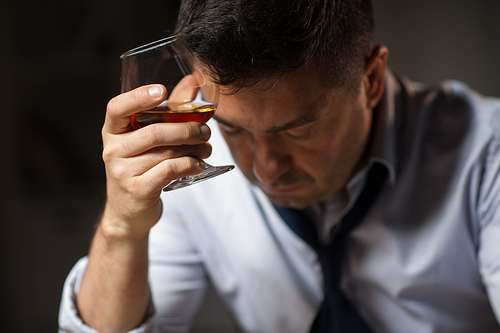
69 319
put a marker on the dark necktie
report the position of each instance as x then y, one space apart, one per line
336 314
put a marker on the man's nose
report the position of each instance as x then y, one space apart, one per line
271 159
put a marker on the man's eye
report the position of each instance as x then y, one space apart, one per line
229 129
302 132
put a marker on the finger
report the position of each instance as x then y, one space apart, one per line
165 172
184 91
208 88
141 164
122 106
164 134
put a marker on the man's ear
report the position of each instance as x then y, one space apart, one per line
375 74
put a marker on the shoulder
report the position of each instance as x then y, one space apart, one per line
449 116
452 103
448 145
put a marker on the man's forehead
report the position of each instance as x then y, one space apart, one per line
304 75
273 110
301 120
299 98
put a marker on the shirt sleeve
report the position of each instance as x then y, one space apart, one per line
177 281
488 211
177 276
69 319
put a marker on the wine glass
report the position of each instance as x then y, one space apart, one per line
191 94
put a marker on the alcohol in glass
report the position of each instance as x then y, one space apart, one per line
192 111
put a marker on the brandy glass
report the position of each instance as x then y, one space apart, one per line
191 94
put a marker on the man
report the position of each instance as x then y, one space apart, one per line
398 183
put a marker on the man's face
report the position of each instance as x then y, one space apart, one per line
299 142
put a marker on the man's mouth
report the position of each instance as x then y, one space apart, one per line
280 189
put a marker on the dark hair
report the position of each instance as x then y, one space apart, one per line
247 42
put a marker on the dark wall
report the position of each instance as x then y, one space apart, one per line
433 40
59 65
58 68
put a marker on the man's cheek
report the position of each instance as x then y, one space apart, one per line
243 157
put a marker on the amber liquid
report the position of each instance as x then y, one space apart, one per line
191 111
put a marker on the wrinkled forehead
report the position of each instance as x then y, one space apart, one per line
300 98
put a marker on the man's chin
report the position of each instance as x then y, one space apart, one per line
292 192
300 198
289 201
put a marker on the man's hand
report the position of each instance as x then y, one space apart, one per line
139 163
114 293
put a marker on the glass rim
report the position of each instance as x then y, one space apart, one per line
150 46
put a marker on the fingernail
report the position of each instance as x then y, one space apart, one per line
205 132
201 165
155 91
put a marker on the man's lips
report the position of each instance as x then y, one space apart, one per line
288 184
280 189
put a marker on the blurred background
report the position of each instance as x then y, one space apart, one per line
59 65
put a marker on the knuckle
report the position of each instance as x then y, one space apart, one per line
185 164
156 156
166 153
189 165
107 154
112 106
120 172
148 183
138 96
189 131
150 135
132 190
178 167
169 169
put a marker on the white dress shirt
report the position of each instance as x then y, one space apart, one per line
426 258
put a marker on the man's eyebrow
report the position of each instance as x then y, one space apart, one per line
223 122
297 122
294 123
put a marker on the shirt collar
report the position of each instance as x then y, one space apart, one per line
382 150
383 138
382 146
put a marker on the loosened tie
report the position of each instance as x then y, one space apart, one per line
336 314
